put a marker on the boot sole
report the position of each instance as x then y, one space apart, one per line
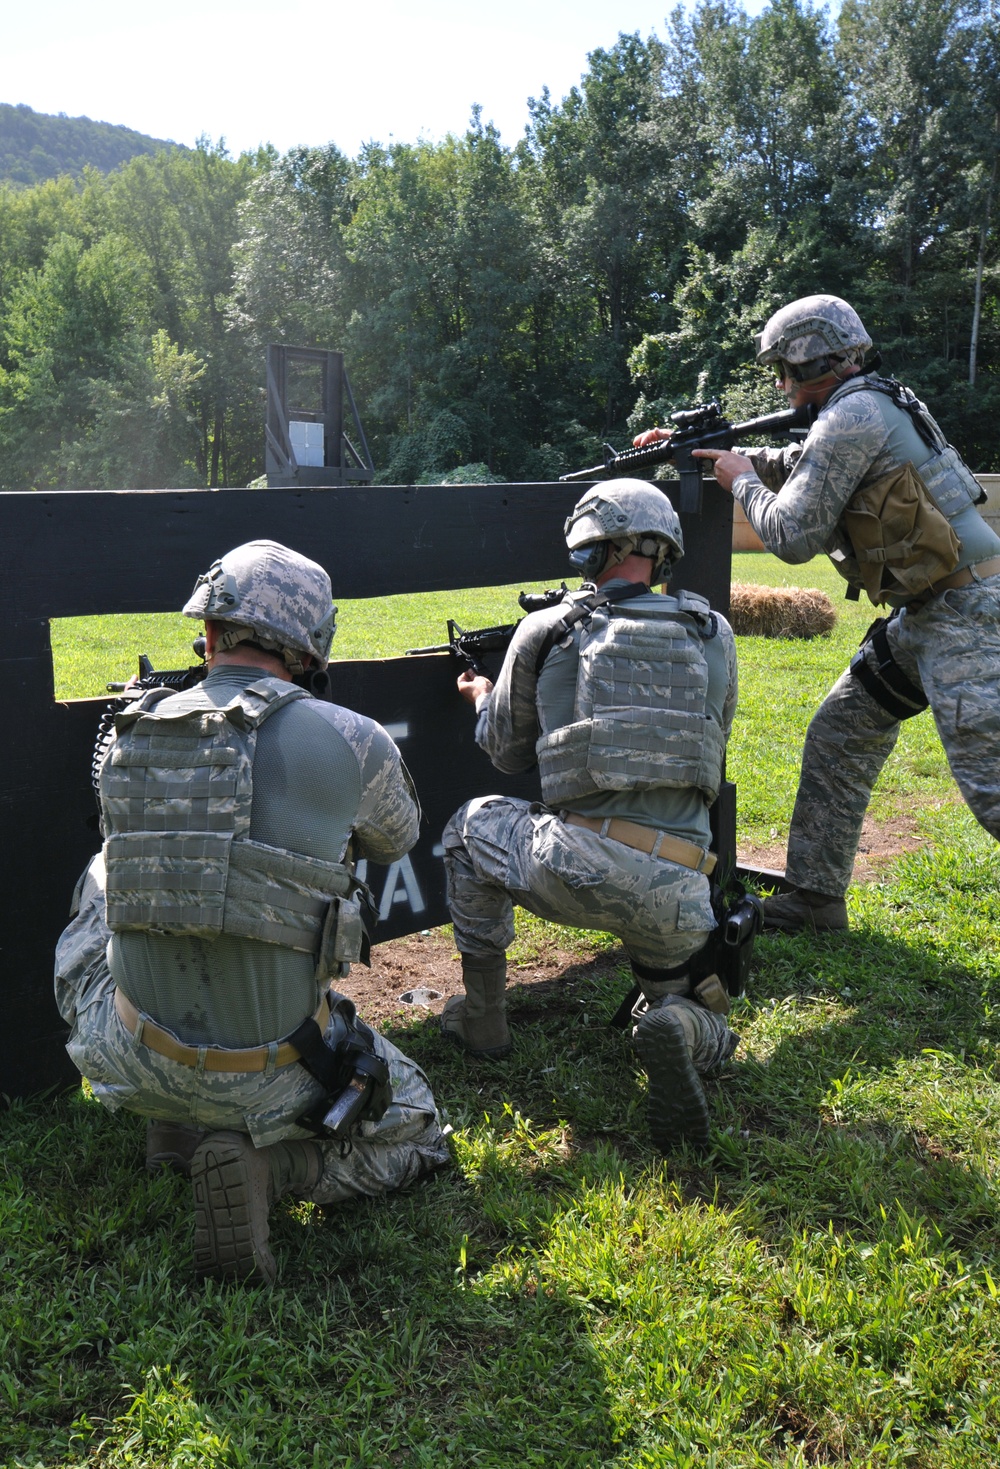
677 1108
229 1181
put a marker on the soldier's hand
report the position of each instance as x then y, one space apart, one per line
725 463
472 685
651 436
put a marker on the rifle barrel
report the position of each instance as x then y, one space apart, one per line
664 450
777 423
582 474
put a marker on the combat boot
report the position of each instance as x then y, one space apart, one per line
804 909
234 1185
171 1145
677 1108
477 1021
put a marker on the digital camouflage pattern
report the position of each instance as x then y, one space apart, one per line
385 1155
517 714
282 596
795 500
950 649
322 776
566 873
627 511
810 328
499 852
641 719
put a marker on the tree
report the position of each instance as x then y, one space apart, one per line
68 324
609 211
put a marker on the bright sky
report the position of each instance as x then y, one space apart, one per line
293 71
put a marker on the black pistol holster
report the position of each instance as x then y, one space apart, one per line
887 684
720 969
353 1075
729 950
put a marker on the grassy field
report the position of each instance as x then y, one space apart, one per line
821 1288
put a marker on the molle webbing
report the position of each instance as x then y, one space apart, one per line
177 790
951 483
641 709
582 608
206 884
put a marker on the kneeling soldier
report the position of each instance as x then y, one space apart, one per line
624 697
196 971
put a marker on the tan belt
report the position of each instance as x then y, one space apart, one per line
646 839
963 578
255 1058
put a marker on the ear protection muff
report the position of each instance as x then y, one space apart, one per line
589 561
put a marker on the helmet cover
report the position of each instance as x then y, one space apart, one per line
630 513
811 328
283 598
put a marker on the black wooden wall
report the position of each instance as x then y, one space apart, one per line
76 553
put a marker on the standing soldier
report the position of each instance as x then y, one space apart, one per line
624 698
877 487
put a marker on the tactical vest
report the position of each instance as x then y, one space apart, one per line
176 791
641 716
899 525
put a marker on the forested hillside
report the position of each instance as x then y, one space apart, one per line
35 145
509 306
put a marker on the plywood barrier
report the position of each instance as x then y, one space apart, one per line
76 553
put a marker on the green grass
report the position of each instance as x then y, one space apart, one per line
90 652
821 1288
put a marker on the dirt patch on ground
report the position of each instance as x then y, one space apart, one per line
429 961
880 843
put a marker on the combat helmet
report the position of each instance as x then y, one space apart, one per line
623 516
267 594
811 330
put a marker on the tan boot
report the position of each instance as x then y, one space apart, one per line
478 1021
234 1185
803 909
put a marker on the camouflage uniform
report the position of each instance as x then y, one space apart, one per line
949 647
499 851
322 776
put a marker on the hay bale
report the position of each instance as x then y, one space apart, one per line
780 612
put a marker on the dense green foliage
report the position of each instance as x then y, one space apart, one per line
505 308
35 145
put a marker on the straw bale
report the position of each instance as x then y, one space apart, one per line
780 612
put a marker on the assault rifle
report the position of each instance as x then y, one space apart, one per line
470 647
703 427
